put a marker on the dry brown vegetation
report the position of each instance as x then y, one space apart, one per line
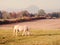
37 24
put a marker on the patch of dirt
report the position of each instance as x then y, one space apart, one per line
44 24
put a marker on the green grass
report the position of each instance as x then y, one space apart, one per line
38 37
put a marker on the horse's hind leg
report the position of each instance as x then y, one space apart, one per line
14 32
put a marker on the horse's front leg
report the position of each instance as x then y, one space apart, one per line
28 33
23 33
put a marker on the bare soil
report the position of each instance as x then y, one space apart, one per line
44 24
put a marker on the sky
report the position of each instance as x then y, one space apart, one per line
22 4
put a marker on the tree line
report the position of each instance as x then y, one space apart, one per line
25 15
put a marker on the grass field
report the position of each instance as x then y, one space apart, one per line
38 37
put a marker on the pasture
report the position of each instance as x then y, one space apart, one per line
43 32
37 37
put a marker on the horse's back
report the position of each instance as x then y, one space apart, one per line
21 27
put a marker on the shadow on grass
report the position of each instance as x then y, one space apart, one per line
44 34
6 39
34 36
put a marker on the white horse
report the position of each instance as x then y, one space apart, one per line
25 30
